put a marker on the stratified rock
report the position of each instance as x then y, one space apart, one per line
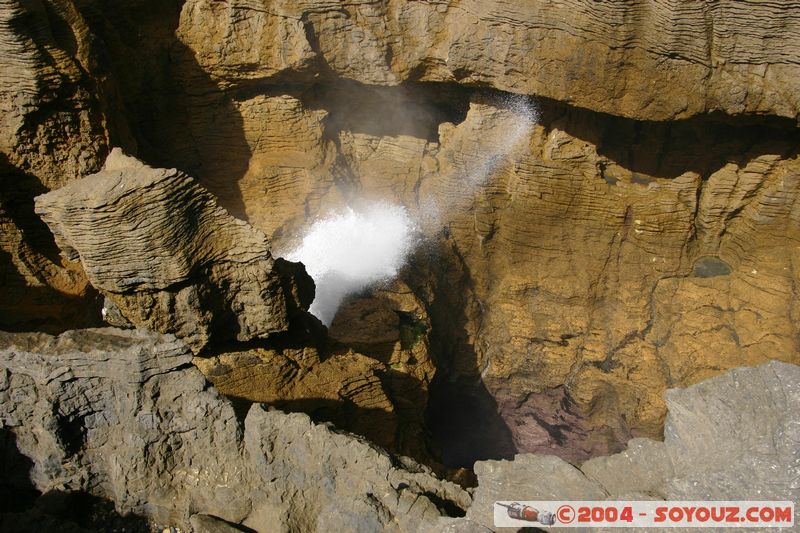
600 262
170 259
732 437
377 387
390 324
123 415
645 59
54 127
53 121
344 388
382 400
566 282
572 264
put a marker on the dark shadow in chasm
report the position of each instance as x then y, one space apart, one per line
23 509
464 423
462 416
24 306
412 109
652 149
177 115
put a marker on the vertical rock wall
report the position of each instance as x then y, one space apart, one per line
643 235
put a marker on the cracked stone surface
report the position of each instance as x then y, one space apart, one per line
123 415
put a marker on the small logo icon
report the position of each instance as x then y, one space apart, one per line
565 514
529 514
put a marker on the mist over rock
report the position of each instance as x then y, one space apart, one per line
607 198
162 251
353 250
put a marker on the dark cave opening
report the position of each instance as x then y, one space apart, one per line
465 425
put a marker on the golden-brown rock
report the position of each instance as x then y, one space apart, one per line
602 276
344 388
54 127
162 251
571 275
379 391
646 59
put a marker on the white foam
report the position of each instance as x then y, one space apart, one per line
355 248
350 250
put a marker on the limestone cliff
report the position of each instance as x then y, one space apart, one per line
640 234
589 256
650 60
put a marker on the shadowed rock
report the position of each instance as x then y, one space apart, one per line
732 437
123 415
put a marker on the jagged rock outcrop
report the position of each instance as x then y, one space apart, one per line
651 60
374 385
52 98
165 255
600 261
732 437
123 415
344 388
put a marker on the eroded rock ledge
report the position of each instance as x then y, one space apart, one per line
646 59
123 414
169 259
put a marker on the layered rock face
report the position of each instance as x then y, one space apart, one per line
602 271
52 130
123 415
169 259
649 60
641 235
349 389
576 260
